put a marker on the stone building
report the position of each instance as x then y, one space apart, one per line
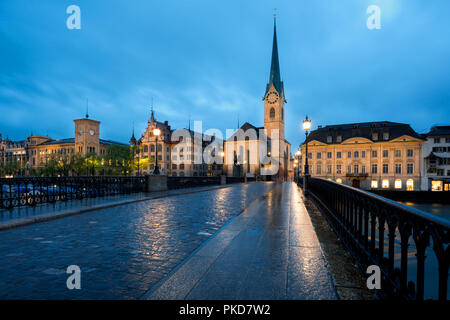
35 151
254 151
370 155
177 151
436 160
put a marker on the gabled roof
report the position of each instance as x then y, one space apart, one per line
362 130
246 126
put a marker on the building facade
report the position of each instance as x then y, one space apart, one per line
436 161
179 152
35 151
371 156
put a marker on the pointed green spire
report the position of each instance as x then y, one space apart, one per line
275 77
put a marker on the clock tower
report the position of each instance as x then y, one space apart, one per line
274 101
87 136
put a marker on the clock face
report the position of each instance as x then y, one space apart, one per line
91 132
272 97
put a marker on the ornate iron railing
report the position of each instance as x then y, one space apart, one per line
366 222
29 191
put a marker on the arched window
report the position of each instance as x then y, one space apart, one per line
152 148
145 148
272 113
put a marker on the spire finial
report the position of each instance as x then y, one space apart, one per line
152 118
87 108
275 13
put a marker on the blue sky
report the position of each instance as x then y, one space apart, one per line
210 60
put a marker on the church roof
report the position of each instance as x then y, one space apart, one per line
275 77
246 126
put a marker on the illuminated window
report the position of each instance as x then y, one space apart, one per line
374 184
398 184
410 185
385 184
339 180
436 185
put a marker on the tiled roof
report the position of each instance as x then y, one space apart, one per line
439 131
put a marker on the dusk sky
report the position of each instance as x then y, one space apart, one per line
210 61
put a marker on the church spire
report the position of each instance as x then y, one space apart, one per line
275 77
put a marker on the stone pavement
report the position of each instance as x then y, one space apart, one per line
122 251
270 251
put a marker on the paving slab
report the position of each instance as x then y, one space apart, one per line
270 251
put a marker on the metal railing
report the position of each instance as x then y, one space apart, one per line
367 222
29 191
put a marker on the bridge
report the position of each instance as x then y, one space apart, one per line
208 238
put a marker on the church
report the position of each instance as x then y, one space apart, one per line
263 151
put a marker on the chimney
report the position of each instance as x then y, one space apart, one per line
319 127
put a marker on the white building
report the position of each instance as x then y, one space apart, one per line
436 160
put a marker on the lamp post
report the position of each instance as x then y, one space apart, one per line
298 162
222 154
306 127
156 132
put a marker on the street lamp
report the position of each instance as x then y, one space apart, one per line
222 154
306 127
156 133
299 163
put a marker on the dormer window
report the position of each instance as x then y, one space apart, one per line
329 139
375 136
339 139
386 136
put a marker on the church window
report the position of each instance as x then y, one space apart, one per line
272 113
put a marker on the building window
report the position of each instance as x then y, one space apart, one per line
309 155
329 169
398 168
374 184
174 167
355 169
385 153
374 154
349 154
182 166
338 169
398 184
339 139
152 148
349 169
398 153
329 155
385 168
436 185
447 140
374 169
410 153
338 155
386 136
385 184
410 185
363 169
363 154
437 140
319 155
272 113
319 169
409 168
329 139
356 154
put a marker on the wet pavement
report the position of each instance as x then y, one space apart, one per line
122 251
270 251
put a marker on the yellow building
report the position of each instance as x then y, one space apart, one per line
371 155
